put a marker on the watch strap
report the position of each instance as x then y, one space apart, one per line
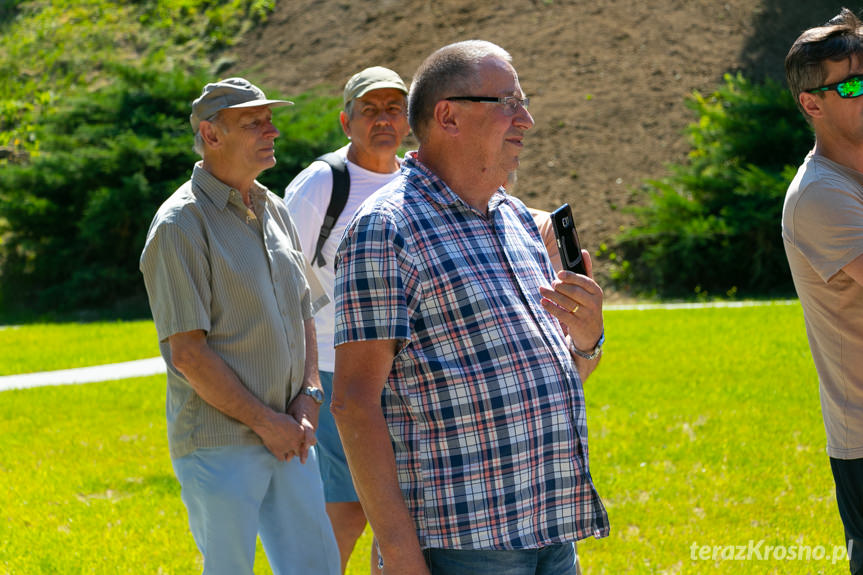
315 393
597 349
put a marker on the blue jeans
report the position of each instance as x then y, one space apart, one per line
234 493
551 560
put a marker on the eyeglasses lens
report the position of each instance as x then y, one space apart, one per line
850 89
512 103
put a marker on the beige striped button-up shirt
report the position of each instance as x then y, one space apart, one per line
210 263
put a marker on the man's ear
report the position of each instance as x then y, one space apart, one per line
811 104
345 122
210 134
446 116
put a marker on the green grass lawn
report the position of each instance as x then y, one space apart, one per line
45 347
705 430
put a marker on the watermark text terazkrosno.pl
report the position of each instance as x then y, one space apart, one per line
762 551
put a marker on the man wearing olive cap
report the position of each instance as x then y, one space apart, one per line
233 310
375 121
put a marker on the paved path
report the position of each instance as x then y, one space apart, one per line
156 365
138 368
697 305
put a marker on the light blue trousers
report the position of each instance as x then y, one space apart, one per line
235 493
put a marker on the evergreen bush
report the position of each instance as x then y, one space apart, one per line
73 219
74 216
49 48
713 225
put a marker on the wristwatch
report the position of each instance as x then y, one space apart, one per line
597 349
315 393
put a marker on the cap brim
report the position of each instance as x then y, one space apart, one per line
381 86
256 103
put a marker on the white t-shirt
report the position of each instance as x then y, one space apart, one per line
822 226
307 198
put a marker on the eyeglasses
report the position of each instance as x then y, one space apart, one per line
510 103
848 88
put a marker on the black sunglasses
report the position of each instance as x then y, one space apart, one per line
847 88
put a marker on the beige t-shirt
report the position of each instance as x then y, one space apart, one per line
822 227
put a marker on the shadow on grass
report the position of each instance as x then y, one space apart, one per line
165 484
128 310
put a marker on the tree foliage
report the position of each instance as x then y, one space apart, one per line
94 135
74 216
49 48
713 225
73 219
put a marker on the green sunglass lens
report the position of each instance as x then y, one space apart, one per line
851 88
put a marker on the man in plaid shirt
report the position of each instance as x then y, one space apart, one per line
459 355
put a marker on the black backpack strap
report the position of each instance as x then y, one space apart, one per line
341 185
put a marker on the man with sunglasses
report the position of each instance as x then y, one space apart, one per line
822 228
460 357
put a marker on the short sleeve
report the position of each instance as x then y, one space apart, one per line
177 277
376 283
828 228
307 198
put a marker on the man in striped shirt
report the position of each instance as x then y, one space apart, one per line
233 310
459 355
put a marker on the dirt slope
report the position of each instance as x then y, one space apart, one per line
607 78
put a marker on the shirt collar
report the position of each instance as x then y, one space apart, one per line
220 192
851 172
441 193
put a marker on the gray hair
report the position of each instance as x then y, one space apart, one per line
198 146
450 71
837 40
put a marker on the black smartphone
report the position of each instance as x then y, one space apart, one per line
567 240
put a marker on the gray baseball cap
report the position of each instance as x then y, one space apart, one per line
230 93
374 78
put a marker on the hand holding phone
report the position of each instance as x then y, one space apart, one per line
567 240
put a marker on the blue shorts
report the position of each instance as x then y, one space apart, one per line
338 483
235 493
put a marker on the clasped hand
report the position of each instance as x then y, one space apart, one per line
293 433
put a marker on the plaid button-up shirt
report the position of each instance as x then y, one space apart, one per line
484 406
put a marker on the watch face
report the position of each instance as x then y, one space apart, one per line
315 394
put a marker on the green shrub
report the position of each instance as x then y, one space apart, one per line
712 226
8 9
48 49
73 219
75 216
94 135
